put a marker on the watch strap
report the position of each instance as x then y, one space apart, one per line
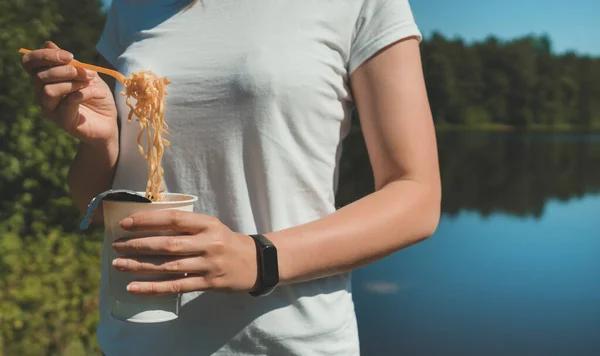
267 266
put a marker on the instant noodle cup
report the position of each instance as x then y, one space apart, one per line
126 306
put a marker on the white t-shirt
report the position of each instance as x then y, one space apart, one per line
259 104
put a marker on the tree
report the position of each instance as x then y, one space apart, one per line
520 83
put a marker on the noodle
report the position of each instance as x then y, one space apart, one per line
149 92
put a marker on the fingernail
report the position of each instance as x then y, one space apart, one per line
90 74
65 56
117 263
127 222
133 287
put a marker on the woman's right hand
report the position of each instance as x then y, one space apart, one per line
76 99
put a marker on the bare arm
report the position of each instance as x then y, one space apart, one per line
93 168
399 133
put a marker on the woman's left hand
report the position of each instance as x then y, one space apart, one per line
213 256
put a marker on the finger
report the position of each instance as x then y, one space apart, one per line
50 95
160 264
160 245
68 109
47 57
63 73
180 285
50 44
168 220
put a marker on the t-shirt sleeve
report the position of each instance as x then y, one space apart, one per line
109 45
379 24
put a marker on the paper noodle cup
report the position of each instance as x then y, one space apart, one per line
126 306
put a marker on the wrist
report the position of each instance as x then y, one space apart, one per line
102 149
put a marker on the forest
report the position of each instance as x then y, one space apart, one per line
49 269
517 84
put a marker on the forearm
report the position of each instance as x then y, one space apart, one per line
91 173
398 215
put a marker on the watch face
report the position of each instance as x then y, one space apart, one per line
270 267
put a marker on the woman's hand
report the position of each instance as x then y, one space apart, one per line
214 257
76 99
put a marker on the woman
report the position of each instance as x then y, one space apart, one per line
260 103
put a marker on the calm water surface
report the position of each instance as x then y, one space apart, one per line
514 266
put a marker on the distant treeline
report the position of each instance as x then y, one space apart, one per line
519 83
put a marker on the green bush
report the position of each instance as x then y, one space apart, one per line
49 271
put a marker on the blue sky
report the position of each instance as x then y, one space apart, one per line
571 24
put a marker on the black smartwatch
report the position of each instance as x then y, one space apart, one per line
268 267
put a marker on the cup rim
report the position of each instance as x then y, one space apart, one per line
190 199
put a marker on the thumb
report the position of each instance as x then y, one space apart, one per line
50 44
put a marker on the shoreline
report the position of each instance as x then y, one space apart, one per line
517 129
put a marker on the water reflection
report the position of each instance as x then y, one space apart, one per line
507 173
516 173
382 287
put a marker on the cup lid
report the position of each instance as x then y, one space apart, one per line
112 195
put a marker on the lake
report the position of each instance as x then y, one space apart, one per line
513 268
